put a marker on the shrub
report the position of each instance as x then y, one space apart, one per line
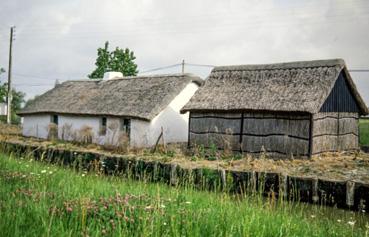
52 131
67 132
86 134
123 142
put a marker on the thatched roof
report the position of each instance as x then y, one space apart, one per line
293 86
140 97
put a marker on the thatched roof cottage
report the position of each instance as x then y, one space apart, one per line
298 108
136 106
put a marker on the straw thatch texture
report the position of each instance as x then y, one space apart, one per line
140 97
335 132
296 86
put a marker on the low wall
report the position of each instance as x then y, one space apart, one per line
343 194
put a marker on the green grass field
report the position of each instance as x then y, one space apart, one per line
364 132
40 199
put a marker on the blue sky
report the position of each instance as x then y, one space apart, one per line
58 39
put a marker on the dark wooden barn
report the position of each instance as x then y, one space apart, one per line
295 108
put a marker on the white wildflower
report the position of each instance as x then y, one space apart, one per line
50 172
188 202
312 216
83 175
162 206
164 223
351 223
339 221
43 171
148 208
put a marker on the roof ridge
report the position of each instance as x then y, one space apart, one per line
136 77
284 66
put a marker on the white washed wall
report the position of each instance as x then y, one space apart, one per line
175 125
77 123
140 133
36 125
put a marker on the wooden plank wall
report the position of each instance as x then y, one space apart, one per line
223 130
284 134
334 131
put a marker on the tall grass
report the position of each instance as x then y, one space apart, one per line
364 131
41 199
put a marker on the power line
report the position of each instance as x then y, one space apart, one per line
144 71
32 85
30 76
199 65
161 68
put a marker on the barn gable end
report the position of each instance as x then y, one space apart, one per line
340 98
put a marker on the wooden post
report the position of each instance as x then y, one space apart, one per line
9 94
162 137
189 130
311 135
241 131
157 141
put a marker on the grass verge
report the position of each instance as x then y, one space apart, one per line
40 199
364 132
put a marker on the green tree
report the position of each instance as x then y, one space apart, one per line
2 89
123 61
17 101
102 62
119 61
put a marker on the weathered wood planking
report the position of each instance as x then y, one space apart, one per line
279 144
222 141
277 133
220 129
281 126
335 132
215 125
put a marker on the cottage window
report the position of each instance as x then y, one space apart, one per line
125 126
103 126
55 119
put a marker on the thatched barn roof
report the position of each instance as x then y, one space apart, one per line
294 86
140 97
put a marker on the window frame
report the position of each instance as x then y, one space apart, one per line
54 119
103 126
125 126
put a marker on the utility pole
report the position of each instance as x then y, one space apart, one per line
183 64
9 95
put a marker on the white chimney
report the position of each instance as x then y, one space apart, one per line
112 75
